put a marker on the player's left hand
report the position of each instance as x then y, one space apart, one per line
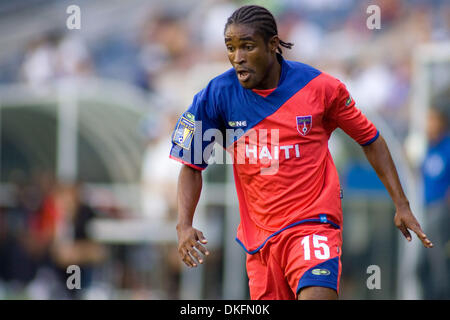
404 220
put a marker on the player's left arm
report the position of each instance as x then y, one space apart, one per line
380 158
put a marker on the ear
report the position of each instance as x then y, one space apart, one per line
274 43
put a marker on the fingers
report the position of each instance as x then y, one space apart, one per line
405 231
201 237
191 257
202 249
190 250
194 253
187 259
403 226
421 235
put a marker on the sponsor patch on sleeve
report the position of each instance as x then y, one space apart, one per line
184 131
348 101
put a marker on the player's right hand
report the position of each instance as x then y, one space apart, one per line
190 243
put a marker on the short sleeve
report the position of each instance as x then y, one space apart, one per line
345 115
188 144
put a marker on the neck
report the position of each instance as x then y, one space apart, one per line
272 76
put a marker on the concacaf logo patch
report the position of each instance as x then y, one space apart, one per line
185 131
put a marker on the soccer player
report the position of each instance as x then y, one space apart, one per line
277 117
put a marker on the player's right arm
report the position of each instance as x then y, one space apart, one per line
190 240
188 147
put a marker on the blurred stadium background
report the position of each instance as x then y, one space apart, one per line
85 123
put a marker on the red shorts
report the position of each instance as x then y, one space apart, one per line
302 256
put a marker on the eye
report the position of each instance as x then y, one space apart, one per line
230 48
249 47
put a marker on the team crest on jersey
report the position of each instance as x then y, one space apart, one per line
185 131
304 124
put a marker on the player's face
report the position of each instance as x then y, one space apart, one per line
251 57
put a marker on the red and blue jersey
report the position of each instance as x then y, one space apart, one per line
278 140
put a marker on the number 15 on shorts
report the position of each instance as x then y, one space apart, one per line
321 249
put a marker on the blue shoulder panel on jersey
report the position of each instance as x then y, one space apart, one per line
240 105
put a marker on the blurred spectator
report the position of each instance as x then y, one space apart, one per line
40 63
209 33
310 33
73 57
436 175
62 229
154 56
72 244
18 259
53 56
164 42
436 166
44 220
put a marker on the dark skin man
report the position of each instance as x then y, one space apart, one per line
257 67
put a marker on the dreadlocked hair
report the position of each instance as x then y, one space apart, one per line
261 19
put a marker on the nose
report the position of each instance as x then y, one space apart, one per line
239 56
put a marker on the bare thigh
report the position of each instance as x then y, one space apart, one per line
317 293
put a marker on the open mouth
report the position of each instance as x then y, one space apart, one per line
243 75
